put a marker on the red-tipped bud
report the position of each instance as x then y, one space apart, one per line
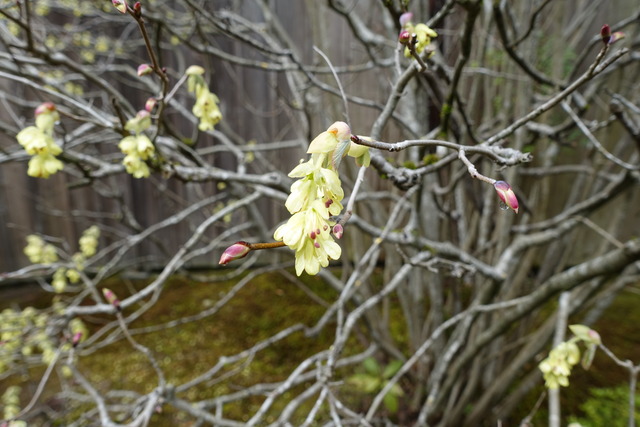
507 195
144 69
337 231
236 251
405 19
45 108
111 297
605 33
77 337
594 336
137 8
404 37
121 5
150 104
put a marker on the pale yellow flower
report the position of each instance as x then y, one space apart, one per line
314 198
557 367
43 166
423 33
89 241
207 110
206 105
59 282
137 147
38 142
40 252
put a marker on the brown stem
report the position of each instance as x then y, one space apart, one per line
268 245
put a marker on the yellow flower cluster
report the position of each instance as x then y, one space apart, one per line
11 403
89 241
557 367
137 147
422 32
206 106
24 332
27 332
315 197
38 142
40 252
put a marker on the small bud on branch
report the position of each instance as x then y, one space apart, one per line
236 251
507 195
111 298
120 5
605 33
241 249
144 69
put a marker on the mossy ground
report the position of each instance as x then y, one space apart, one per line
266 304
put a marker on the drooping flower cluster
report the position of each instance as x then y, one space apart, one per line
38 142
421 32
137 147
11 403
88 244
557 367
38 251
206 106
315 197
89 241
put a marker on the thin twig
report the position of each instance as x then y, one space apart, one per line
343 95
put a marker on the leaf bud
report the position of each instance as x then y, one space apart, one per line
144 69
111 298
120 5
506 194
236 251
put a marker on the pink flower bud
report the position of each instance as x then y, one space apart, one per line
121 5
111 297
144 69
142 114
337 231
506 194
137 8
404 37
150 104
405 19
76 338
45 108
236 251
605 33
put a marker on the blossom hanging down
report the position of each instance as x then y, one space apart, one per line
315 197
206 106
38 142
137 147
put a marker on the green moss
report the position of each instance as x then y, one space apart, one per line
409 164
430 159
